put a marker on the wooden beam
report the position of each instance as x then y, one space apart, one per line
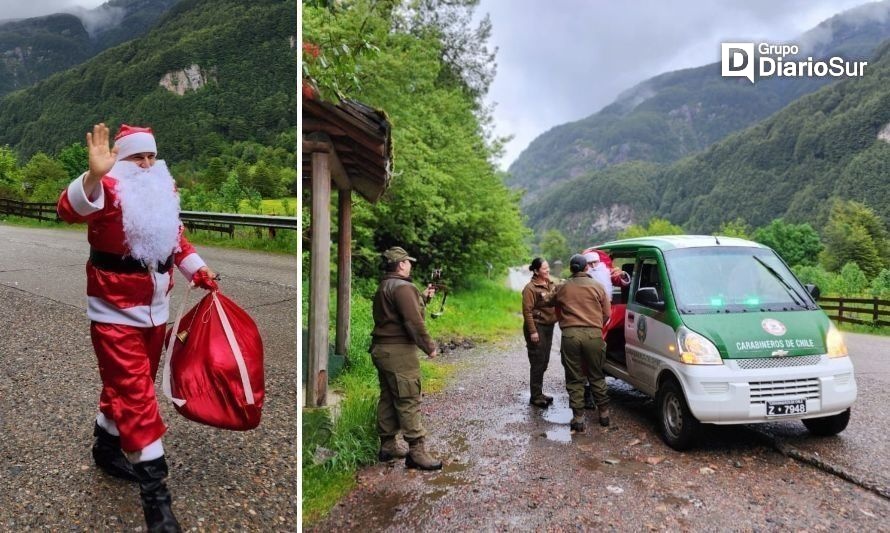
319 282
344 270
310 146
362 133
312 125
338 171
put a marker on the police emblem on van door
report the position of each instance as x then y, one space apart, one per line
641 329
773 327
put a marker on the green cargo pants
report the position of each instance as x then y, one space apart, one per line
398 370
538 358
584 344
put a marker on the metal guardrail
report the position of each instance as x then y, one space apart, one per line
262 221
212 221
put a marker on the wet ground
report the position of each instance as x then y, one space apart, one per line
510 466
220 480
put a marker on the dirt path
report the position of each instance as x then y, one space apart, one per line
510 466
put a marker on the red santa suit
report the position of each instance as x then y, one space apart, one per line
135 238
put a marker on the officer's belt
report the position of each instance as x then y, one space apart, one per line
124 264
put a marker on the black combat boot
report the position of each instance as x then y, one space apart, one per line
156 500
109 457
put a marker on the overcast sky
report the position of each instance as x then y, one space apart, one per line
16 9
563 60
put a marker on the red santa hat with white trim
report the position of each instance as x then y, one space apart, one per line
134 140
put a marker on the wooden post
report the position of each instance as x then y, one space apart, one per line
344 270
319 282
840 309
874 315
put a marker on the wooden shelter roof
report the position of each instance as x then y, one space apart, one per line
358 137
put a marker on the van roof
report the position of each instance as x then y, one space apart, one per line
672 242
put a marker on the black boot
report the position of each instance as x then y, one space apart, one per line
156 498
109 457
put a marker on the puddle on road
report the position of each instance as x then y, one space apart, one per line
558 415
382 508
562 434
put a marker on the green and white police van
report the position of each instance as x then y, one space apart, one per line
719 330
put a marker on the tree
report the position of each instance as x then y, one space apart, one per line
10 175
854 233
554 246
797 244
852 280
74 159
44 178
446 203
230 194
655 226
264 180
215 174
735 228
880 286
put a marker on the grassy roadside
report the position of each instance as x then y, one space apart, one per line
484 312
245 238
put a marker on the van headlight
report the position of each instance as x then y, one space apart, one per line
834 342
696 349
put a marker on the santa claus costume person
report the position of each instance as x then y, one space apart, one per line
130 205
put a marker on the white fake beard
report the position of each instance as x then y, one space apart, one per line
150 210
603 276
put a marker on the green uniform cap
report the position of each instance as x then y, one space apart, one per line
397 254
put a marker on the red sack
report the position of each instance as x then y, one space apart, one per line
213 370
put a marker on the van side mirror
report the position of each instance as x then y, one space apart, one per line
813 290
648 296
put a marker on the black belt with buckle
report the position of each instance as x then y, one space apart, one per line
125 264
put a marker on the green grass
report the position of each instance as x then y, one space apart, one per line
272 206
246 238
34 223
859 328
486 311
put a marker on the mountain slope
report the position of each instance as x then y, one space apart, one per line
33 49
680 113
832 143
211 71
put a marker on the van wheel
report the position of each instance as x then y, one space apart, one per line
678 426
827 426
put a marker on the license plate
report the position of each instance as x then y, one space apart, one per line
786 407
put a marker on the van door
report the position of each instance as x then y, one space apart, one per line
649 332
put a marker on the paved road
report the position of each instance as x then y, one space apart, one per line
221 480
513 467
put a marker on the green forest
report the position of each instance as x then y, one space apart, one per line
231 139
428 70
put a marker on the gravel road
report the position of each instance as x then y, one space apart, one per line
49 385
510 466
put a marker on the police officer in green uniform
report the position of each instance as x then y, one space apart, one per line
584 309
399 331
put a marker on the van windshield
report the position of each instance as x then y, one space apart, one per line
733 279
